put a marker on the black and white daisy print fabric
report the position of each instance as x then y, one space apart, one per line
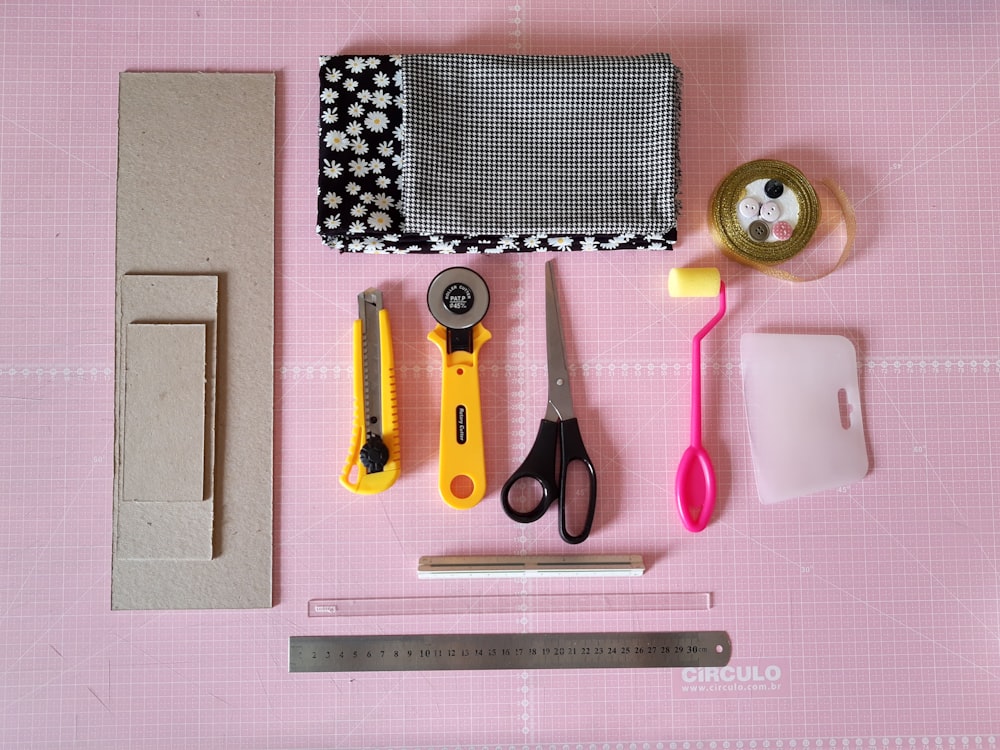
498 154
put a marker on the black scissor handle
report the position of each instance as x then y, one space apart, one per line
539 466
574 452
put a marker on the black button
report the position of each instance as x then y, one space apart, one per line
759 230
774 189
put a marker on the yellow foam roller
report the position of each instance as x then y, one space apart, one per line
694 282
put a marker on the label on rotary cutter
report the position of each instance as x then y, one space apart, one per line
461 424
458 298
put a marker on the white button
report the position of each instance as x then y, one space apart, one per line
749 208
770 211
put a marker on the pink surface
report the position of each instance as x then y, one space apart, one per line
879 603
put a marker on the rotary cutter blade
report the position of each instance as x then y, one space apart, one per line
458 298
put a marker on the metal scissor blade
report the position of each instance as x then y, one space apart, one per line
560 399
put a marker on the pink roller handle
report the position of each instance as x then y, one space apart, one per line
695 473
695 476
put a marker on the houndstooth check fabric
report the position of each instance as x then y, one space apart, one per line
503 144
575 172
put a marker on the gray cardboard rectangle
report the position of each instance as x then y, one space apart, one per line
164 435
196 199
163 299
158 531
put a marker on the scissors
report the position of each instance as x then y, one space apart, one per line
558 431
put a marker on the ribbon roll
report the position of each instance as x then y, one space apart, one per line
782 229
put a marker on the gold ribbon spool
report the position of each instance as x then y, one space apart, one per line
734 241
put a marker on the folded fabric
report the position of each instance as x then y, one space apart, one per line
494 153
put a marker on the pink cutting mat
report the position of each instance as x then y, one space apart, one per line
862 617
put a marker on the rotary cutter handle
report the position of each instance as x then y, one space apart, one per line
695 486
458 299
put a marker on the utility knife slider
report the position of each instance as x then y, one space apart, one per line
373 460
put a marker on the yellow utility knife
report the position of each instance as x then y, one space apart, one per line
373 461
458 299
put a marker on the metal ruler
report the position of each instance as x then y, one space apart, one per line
411 653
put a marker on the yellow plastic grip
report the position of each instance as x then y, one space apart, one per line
354 476
461 458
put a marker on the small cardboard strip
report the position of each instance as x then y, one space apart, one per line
165 531
165 380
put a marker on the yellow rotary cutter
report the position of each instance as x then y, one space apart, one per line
458 299
373 460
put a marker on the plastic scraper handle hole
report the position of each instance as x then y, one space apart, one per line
845 409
